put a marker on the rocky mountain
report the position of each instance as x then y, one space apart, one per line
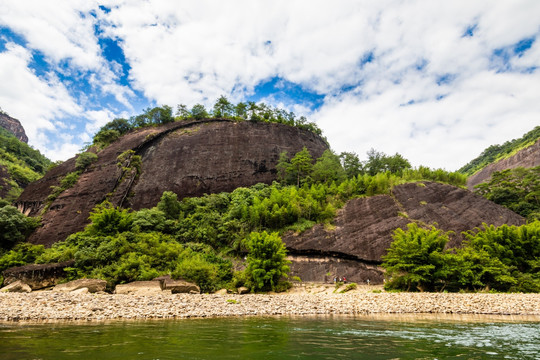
13 126
190 158
363 229
20 164
528 157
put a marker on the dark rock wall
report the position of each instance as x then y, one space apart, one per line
527 158
363 228
13 126
189 158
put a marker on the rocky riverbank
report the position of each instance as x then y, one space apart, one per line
47 305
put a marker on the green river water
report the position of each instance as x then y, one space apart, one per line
331 337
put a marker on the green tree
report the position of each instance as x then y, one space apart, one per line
223 108
351 164
415 260
282 166
169 205
266 261
119 124
301 166
199 112
240 110
182 112
397 164
108 220
106 137
14 226
328 168
84 160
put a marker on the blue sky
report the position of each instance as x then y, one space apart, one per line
436 81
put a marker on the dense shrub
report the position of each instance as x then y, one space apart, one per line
14 226
266 261
505 258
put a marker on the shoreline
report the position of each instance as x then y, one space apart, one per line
45 306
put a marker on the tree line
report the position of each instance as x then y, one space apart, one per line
496 152
222 109
505 258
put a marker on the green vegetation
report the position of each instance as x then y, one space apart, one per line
497 152
23 163
501 259
198 239
222 109
266 263
517 189
14 226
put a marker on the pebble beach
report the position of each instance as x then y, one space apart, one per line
58 306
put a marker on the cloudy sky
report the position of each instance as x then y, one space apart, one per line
437 81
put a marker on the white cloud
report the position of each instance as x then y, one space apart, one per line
62 30
36 102
194 51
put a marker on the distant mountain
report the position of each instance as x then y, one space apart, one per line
523 152
20 164
13 126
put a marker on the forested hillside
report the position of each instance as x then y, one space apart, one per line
20 164
495 153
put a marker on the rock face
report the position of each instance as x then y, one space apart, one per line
91 285
527 158
363 229
37 276
190 158
13 126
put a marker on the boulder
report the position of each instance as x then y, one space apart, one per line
92 285
180 287
16 287
221 292
242 290
80 291
139 288
37 276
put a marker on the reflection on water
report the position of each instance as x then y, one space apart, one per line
336 337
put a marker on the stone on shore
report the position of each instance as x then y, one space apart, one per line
242 290
17 287
221 292
37 276
180 287
80 291
92 285
140 288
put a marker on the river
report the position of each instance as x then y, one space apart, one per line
329 337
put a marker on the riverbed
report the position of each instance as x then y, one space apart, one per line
58 306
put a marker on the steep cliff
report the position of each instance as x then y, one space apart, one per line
527 158
13 126
362 231
190 158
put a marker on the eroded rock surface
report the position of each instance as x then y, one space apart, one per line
190 158
363 228
527 158
13 126
37 276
